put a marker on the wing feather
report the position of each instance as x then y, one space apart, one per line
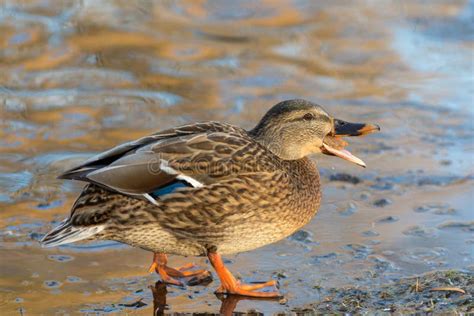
198 154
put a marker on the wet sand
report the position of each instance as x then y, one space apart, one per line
77 79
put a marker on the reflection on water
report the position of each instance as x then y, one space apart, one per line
228 302
159 298
79 77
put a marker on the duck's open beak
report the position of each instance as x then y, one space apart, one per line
343 128
334 145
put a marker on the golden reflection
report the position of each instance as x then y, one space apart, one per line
50 59
95 40
228 302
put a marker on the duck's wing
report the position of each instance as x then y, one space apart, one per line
192 155
107 157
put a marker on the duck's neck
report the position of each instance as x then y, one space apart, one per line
272 140
305 182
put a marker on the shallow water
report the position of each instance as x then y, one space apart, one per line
79 77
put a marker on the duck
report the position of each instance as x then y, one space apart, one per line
209 189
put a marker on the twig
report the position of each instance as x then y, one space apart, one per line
453 289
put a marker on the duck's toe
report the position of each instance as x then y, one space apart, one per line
257 286
169 280
170 275
250 289
183 272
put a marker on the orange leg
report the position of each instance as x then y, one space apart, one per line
169 274
229 285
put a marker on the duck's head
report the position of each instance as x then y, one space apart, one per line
297 128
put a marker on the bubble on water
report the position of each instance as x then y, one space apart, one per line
324 257
387 219
383 186
370 233
382 202
381 263
52 284
359 251
49 205
228 261
388 253
101 310
60 258
420 231
364 196
422 209
426 256
445 162
441 250
345 177
74 279
465 226
36 236
446 211
302 236
347 209
436 208
437 180
374 242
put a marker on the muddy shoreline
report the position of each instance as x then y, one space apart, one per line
438 291
448 292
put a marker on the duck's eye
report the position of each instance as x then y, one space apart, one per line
308 117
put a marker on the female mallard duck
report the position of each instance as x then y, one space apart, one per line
207 189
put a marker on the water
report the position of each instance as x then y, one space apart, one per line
78 78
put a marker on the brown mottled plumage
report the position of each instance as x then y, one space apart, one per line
208 188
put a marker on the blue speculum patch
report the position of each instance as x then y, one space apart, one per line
169 188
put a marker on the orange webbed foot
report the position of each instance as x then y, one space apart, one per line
229 285
169 275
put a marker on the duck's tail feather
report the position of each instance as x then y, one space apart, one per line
67 233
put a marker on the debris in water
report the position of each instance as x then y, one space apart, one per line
454 289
